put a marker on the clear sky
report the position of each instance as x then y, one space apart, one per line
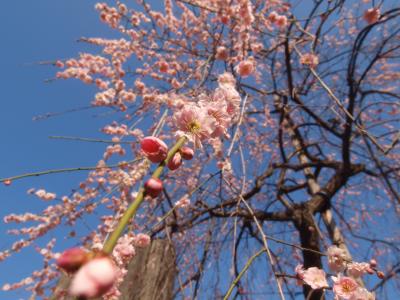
33 32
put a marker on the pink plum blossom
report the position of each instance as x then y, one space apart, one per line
336 258
344 287
372 15
183 202
315 278
246 67
356 269
195 123
142 240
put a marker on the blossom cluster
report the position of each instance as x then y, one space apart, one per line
210 117
345 285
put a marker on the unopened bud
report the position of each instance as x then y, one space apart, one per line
373 263
187 153
7 182
72 259
380 274
154 149
175 162
153 187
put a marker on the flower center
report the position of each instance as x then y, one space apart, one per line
194 126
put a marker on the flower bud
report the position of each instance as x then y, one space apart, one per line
175 162
72 259
153 187
373 263
94 278
380 274
154 149
187 153
7 182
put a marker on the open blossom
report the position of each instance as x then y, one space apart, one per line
94 278
154 149
277 19
124 248
195 123
344 287
222 53
142 240
356 269
372 15
183 202
246 67
337 258
315 278
309 59
226 92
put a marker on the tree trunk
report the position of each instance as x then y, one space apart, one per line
151 273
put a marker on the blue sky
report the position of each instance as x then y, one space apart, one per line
32 32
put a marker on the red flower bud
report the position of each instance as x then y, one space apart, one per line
380 274
72 259
187 153
153 187
154 149
175 162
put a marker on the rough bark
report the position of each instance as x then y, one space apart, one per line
151 273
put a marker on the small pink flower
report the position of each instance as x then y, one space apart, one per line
373 263
153 187
372 15
344 287
124 248
154 149
299 274
281 21
246 67
355 269
187 153
163 65
94 278
72 259
175 162
195 122
309 59
315 278
142 240
7 182
336 259
222 53
183 202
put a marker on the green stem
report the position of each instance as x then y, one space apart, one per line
248 264
131 211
